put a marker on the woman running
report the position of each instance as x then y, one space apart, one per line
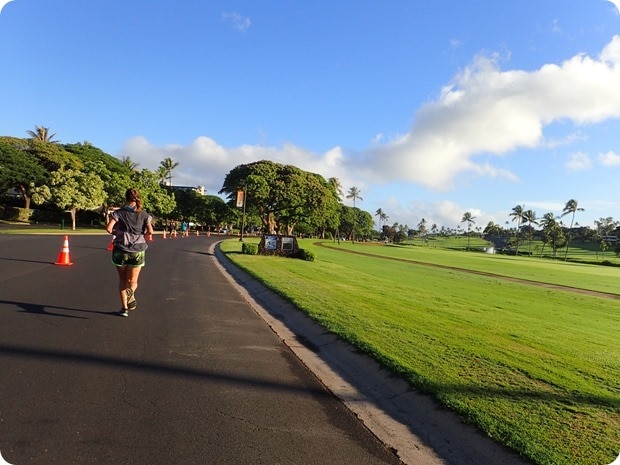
129 225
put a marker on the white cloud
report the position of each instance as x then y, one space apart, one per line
616 3
484 113
204 162
239 22
578 161
609 159
487 111
3 4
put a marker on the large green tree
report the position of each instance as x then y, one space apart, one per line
72 190
21 170
155 198
282 195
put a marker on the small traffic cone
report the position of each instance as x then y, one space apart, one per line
111 244
197 233
63 257
149 237
164 235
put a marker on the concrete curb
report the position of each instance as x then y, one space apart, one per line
412 424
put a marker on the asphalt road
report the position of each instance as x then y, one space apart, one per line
193 376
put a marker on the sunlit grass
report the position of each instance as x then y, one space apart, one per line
536 369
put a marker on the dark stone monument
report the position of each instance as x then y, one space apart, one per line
273 244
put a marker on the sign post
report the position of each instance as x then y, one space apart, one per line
241 195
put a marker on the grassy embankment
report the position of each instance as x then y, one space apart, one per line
537 369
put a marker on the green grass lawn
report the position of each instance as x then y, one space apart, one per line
587 252
536 369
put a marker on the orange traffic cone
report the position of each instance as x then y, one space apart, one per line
197 233
111 244
164 235
149 237
63 257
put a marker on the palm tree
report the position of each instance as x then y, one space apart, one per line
168 164
529 216
552 232
161 175
354 193
469 220
42 134
337 186
129 163
422 229
382 216
517 214
571 207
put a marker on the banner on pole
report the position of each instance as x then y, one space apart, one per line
240 195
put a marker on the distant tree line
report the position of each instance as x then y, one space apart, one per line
81 179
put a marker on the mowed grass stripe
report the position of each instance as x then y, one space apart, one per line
571 274
536 369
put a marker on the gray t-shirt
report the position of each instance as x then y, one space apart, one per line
130 228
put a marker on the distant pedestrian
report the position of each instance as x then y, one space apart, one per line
130 224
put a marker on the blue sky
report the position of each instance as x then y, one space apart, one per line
429 108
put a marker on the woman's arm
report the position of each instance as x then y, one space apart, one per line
110 226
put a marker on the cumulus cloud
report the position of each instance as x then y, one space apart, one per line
483 114
238 22
616 3
609 159
487 111
3 4
578 161
205 162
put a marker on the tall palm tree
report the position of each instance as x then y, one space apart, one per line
517 215
571 206
168 164
552 232
382 216
41 134
422 229
469 219
354 193
529 216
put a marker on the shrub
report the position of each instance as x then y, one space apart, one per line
16 214
307 255
249 249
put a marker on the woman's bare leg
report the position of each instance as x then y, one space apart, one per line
122 284
131 277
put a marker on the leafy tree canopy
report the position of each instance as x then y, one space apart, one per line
282 195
